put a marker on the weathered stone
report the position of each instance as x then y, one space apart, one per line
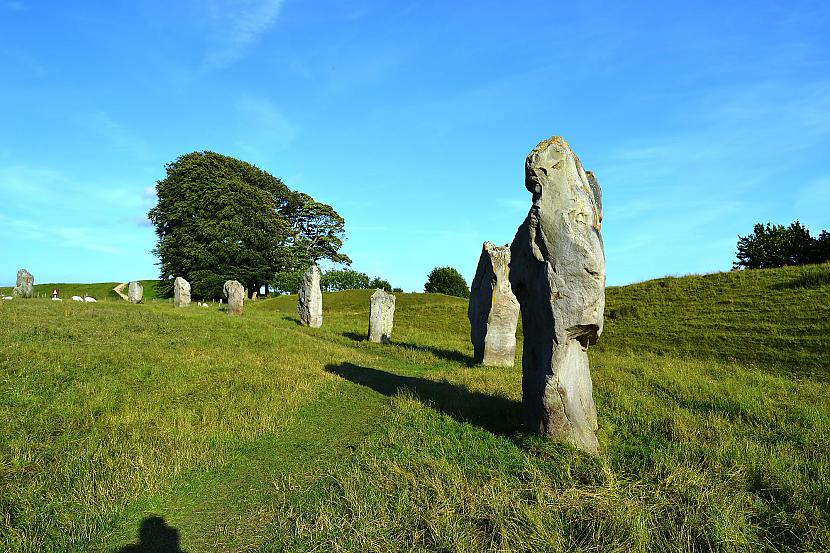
310 301
25 284
493 309
235 293
381 316
181 292
557 271
135 292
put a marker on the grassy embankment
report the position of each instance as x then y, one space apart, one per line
254 433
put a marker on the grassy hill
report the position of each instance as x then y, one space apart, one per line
258 434
101 291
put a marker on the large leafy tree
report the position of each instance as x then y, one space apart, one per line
776 246
316 231
446 280
220 218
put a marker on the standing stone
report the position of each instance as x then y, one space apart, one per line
558 275
181 292
310 301
493 309
25 284
381 316
235 293
135 292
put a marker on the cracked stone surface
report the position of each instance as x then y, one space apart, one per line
493 309
310 300
235 293
557 271
25 285
381 316
181 292
135 292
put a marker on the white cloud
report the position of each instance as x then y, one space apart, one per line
235 25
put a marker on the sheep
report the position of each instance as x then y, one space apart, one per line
89 299
77 298
205 305
8 297
56 299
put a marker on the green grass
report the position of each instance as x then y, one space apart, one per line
257 434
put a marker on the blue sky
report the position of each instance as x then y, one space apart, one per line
413 120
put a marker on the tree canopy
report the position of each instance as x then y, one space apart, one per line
220 218
446 280
776 246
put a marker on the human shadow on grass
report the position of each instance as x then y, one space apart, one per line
155 536
495 414
447 354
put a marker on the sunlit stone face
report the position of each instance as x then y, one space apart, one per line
567 235
557 272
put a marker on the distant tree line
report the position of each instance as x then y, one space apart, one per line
335 280
219 218
778 246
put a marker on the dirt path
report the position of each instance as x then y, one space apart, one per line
120 290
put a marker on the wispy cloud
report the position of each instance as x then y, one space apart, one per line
16 228
88 239
118 136
14 5
514 205
262 126
23 60
235 25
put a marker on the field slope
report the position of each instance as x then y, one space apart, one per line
125 427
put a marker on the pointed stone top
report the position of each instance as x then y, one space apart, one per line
556 141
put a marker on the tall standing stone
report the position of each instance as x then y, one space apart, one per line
135 292
25 285
493 309
557 271
181 292
235 293
381 316
310 300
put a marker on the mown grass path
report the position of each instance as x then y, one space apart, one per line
231 508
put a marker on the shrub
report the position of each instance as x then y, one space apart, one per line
446 280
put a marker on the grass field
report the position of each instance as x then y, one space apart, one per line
258 434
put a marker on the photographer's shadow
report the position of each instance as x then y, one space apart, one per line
154 536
